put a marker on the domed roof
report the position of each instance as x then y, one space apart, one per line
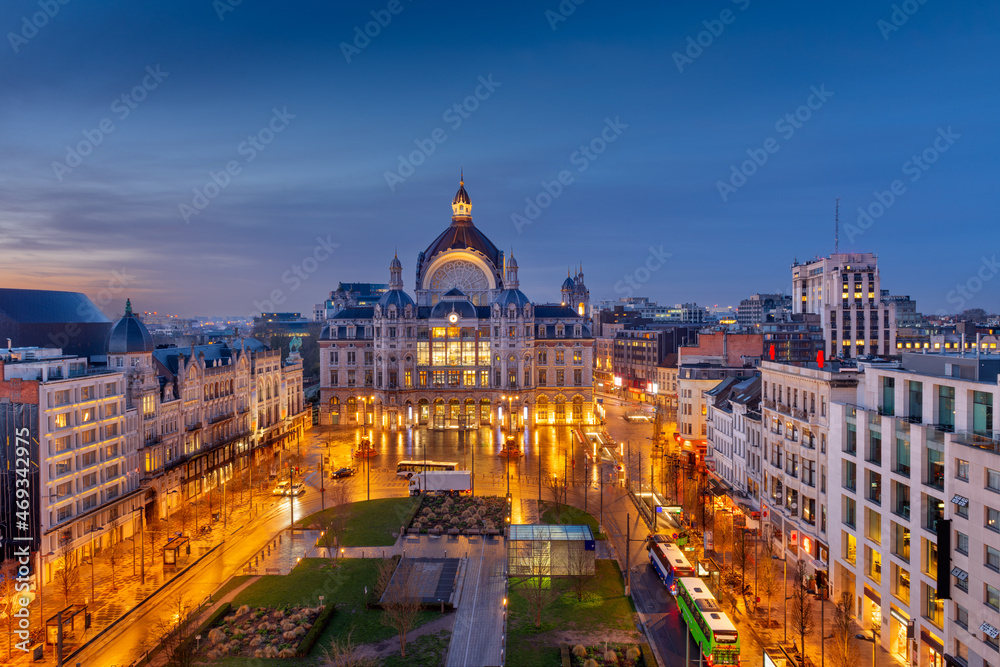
454 301
568 283
512 297
461 235
461 197
395 263
395 297
129 334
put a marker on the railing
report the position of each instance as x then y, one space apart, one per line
768 403
783 409
915 419
944 428
800 413
989 441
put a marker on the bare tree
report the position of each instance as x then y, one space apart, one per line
348 654
767 576
802 617
153 532
67 572
534 582
115 551
175 630
185 514
10 601
400 603
722 529
580 568
844 651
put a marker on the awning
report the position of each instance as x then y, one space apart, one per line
715 487
818 565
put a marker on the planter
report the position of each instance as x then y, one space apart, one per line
453 531
472 531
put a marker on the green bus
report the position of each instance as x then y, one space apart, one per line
708 624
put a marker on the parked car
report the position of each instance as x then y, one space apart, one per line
281 489
343 472
297 489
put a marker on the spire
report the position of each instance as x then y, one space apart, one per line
461 205
128 307
510 274
395 273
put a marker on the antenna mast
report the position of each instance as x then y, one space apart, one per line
836 228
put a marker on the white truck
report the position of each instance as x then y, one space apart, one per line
451 482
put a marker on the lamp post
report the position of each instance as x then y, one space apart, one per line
873 639
784 593
142 543
93 528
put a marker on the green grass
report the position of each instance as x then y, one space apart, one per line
235 582
604 607
371 522
568 515
340 581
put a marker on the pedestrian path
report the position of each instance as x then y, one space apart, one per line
281 554
477 637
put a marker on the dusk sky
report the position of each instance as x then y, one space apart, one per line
331 114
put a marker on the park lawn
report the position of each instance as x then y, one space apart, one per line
339 580
604 608
569 515
371 522
234 582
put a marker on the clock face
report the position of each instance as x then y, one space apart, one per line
453 318
462 274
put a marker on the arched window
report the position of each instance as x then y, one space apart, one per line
542 409
578 408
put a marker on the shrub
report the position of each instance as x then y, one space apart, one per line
288 635
312 636
632 654
244 609
256 641
611 657
286 653
216 635
590 662
214 654
270 652
579 651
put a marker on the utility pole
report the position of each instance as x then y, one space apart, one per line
628 553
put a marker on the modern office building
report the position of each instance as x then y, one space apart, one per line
845 290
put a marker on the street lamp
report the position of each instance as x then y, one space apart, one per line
93 528
784 593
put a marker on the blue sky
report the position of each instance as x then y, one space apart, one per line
889 91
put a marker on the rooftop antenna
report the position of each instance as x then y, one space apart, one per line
836 228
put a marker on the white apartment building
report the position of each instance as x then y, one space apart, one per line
734 435
796 422
918 449
89 483
844 289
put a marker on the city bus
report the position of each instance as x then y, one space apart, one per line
408 468
670 563
708 624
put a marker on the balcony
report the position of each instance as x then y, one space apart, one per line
783 409
944 428
768 403
800 413
986 440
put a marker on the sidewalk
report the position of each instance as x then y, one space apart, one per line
110 602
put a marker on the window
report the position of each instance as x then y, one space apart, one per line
902 462
962 616
961 510
334 378
962 469
900 541
874 487
577 357
933 607
89 501
962 543
61 444
873 564
901 583
993 519
577 377
560 377
946 407
993 597
560 357
935 511
993 558
873 526
111 451
992 479
874 448
850 512
61 420
851 443
934 465
850 475
542 380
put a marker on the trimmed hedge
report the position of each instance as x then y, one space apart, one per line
311 637
648 658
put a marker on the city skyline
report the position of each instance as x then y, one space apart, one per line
289 126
